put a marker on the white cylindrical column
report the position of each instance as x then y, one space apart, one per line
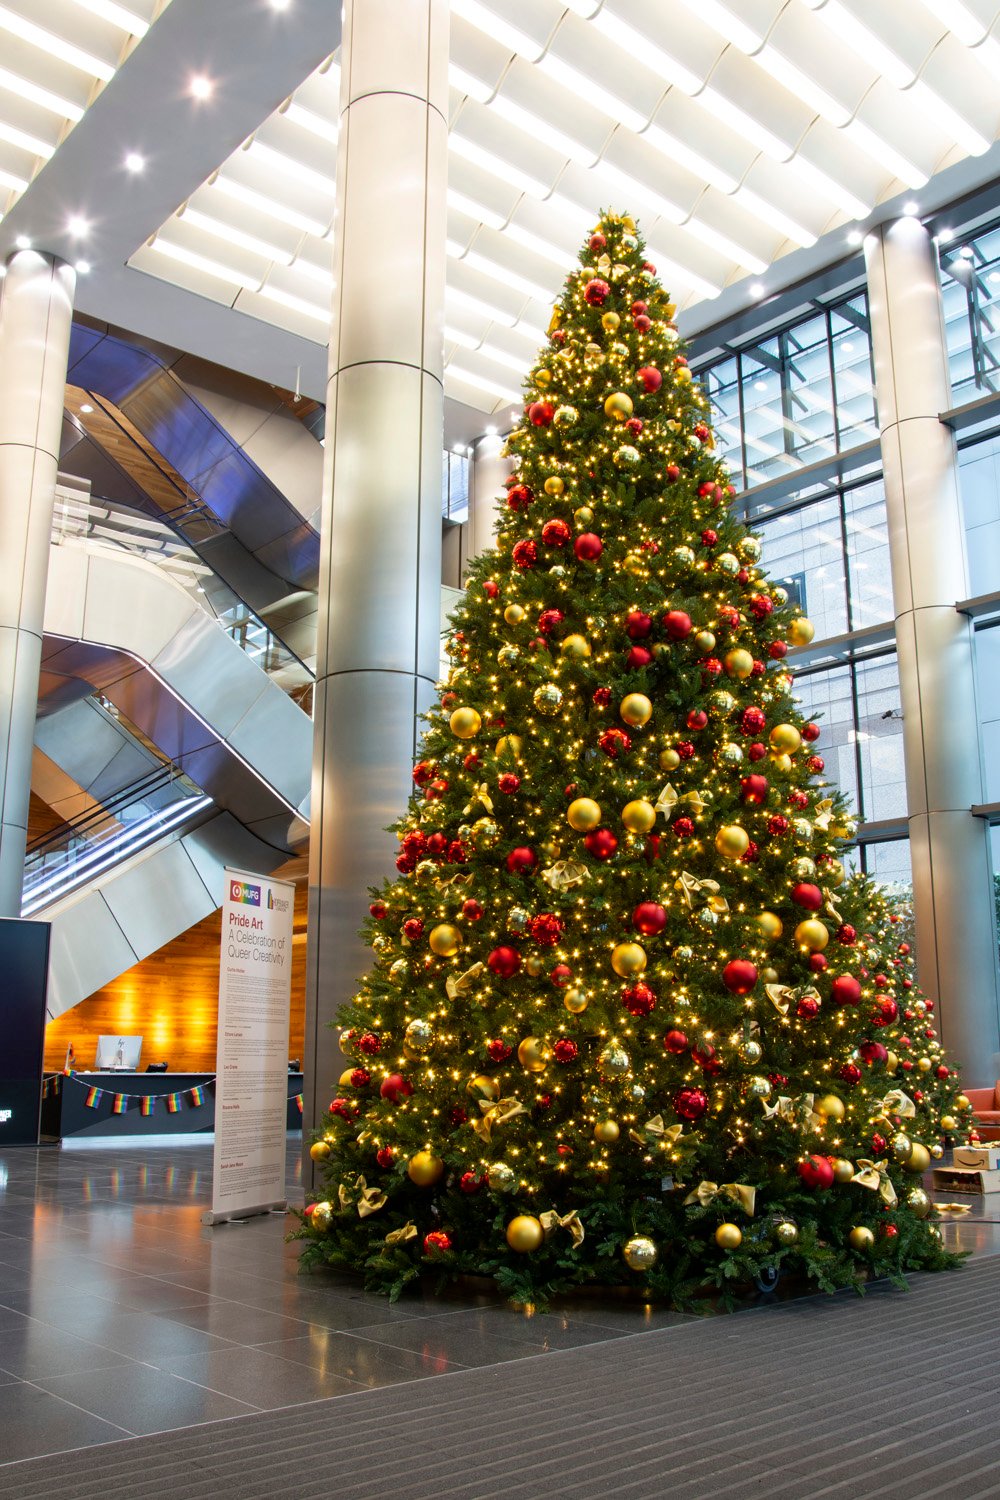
380 578
489 472
950 849
36 313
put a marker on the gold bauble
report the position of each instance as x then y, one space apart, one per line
834 872
542 377
514 614
843 1170
812 935
781 762
399 973
901 1147
319 1150
738 663
639 816
786 1233
606 1131
801 631
861 1237
583 814
424 1169
705 640
750 1051
729 1237
575 646
918 1160
948 1123
628 959
640 1253
636 709
669 760
610 322
614 1060
344 1081
769 925
830 1106
554 485
482 1086
924 1064
618 406
583 515
485 833
321 1216
785 739
634 562
534 965
419 1036
963 1102
732 841
547 698
575 1001
525 1234
501 1178
445 939
533 1055
937 1150
509 745
919 1202
891 1063
465 723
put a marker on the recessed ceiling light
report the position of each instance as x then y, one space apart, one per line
912 207
491 432
855 237
82 267
280 4
85 410
134 162
200 87
757 289
22 242
77 226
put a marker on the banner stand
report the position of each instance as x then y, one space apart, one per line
251 1098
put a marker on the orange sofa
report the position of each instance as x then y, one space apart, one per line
986 1111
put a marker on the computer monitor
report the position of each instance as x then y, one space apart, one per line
118 1054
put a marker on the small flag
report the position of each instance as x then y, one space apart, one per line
173 1103
120 1105
94 1097
197 1096
298 1100
148 1105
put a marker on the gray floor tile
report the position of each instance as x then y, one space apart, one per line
32 1350
33 1422
142 1400
262 1379
363 1361
238 1323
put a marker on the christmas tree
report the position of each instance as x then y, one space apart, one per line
628 1019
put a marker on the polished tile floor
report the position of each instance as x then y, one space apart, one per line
121 1314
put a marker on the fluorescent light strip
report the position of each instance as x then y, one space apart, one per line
722 20
949 119
542 248
768 214
25 142
505 277
676 150
494 26
674 272
295 304
617 29
269 206
802 86
307 119
959 20
480 382
203 263
541 131
509 361
54 46
8 180
880 150
464 340
582 87
722 108
468 84
473 210
55 103
117 15
485 309
461 146
279 161
818 182
235 236
314 273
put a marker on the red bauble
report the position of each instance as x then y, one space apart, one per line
696 719
684 749
683 828
437 1242
810 732
845 990
614 740
378 910
846 934
642 323
903 948
360 1078
885 1012
638 625
540 413
471 761
816 1172
881 982
758 669
750 854
761 606
739 976
677 624
941 1071
808 896
546 929
756 752
561 975
342 1108
650 270
638 307
596 292
675 1042
555 533
395 1087
752 720
423 772
637 658
520 861
728 618
498 1050
850 1074
470 1183
815 764
710 667
709 537
504 962
588 547
673 473
633 427
702 432
798 798
369 1044
525 554
649 918
776 650
817 962
639 999
650 378
565 1050
597 243
703 1053
753 790
385 1156
602 697
508 783
520 496
807 1008
491 588
889 1231
437 844
690 1104
873 1052
549 619
413 929
471 910
436 790
879 1143
458 1116
601 843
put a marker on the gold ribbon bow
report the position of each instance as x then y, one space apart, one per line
780 996
565 874
495 1114
666 801
480 794
823 814
694 800
875 1175
441 882
655 1130
370 1199
555 320
953 1208
706 1193
830 906
551 1221
782 1107
604 265
692 887
458 984
400 1236
898 1103
798 1109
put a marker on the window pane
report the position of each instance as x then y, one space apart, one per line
889 866
810 421
803 552
826 697
987 669
721 383
880 739
868 555
852 363
979 477
763 417
970 284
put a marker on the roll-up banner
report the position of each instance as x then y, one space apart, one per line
251 1089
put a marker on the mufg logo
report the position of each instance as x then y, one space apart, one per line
248 895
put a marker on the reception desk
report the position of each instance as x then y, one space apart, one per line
82 1105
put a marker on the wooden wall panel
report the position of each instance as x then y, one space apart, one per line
171 999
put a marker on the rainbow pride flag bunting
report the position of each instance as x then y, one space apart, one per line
197 1095
120 1105
94 1097
298 1100
173 1103
148 1104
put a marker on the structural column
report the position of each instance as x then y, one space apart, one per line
380 573
489 471
36 312
952 869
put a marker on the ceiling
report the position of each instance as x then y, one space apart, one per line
753 139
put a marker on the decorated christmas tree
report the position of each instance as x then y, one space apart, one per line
628 1020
